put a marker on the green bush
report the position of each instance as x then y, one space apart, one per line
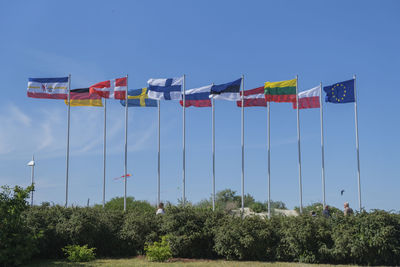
159 251
76 253
17 239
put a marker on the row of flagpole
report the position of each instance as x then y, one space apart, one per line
213 149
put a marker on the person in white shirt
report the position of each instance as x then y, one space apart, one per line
160 209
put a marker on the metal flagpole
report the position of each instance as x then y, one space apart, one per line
184 142
32 174
159 158
68 125
298 145
357 145
104 152
213 150
242 144
126 142
269 160
322 145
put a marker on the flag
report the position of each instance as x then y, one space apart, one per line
198 97
342 92
226 91
253 98
52 88
284 91
309 98
82 97
110 89
165 89
139 98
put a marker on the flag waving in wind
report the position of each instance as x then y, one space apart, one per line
309 98
165 89
284 91
139 98
198 97
51 88
226 91
110 89
253 98
342 92
82 97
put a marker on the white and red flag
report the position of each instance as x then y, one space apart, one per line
309 98
115 88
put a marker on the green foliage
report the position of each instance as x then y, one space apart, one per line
17 240
258 207
117 203
159 251
76 253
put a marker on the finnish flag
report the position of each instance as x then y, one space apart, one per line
165 89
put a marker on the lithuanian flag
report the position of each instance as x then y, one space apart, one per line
284 91
82 97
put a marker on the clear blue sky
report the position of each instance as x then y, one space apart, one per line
209 41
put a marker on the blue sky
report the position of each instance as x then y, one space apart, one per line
209 41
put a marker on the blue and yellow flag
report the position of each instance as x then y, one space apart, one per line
342 92
139 98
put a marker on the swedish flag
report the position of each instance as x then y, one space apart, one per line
342 92
139 98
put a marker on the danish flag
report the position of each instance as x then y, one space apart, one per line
110 89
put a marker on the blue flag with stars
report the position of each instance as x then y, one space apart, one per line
341 92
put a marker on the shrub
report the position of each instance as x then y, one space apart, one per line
76 253
159 251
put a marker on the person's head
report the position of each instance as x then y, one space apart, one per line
326 207
346 204
161 205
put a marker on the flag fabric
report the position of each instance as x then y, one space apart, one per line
51 88
139 98
82 97
342 92
284 91
253 98
198 97
309 98
226 91
165 89
115 88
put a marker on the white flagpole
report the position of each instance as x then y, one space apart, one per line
242 145
32 179
184 142
126 142
269 159
68 125
104 152
322 145
357 145
298 145
213 151
159 156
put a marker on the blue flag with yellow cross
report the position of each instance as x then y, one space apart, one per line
139 98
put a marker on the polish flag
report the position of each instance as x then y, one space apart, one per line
309 98
110 89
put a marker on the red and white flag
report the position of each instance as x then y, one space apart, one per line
309 98
253 98
110 89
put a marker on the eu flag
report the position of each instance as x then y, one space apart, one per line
341 92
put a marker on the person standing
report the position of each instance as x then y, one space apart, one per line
160 209
347 210
326 212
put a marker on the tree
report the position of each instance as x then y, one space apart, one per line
117 203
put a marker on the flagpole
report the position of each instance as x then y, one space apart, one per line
242 145
269 160
104 152
126 142
159 158
184 143
68 126
32 181
357 144
322 145
213 150
298 145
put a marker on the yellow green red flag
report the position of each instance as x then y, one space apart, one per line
283 91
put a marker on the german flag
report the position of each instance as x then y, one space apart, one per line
82 97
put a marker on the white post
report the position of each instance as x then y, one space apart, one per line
104 152
242 144
68 125
32 179
269 159
184 142
298 146
322 145
126 142
357 145
159 155
213 151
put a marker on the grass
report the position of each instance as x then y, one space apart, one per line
140 261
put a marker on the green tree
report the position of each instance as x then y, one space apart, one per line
117 203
